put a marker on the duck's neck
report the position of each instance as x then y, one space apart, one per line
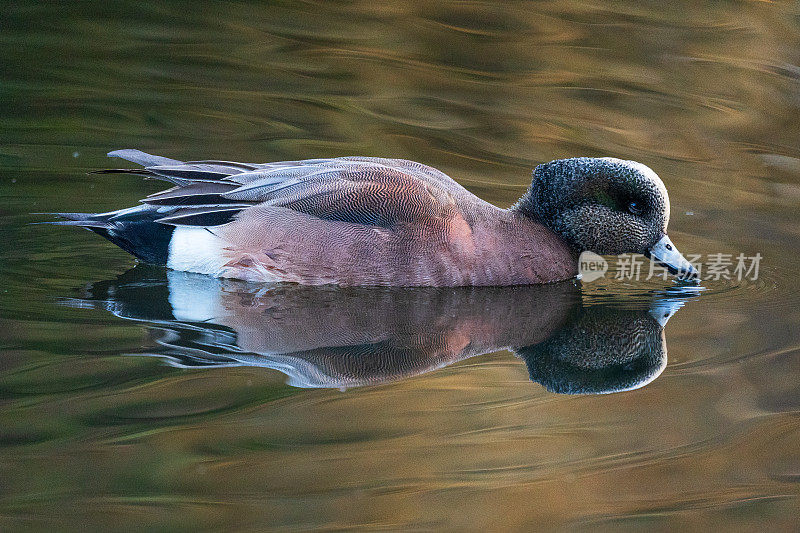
525 205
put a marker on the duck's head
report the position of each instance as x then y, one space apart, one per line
607 206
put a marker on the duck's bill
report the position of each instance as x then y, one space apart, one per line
666 254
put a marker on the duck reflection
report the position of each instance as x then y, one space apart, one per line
342 338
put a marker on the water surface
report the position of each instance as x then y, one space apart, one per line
336 409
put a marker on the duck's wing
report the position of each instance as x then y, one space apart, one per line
362 190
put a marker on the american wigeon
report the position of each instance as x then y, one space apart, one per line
364 221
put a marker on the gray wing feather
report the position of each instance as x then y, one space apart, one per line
360 192
231 166
194 189
366 190
203 215
418 169
188 172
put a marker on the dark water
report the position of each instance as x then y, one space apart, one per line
137 398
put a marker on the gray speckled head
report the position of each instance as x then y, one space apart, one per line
606 205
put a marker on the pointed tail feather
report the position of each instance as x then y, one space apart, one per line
70 216
89 224
140 171
174 171
135 230
141 158
85 220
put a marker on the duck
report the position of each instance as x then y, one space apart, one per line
370 221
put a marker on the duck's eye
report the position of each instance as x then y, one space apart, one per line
634 208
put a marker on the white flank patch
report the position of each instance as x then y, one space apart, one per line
194 249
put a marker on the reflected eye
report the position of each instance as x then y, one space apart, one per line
634 208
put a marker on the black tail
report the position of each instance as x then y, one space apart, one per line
135 230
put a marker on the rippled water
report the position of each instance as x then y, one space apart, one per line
292 408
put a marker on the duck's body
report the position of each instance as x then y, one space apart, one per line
473 244
352 221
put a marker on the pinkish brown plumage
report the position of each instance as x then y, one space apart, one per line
487 246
